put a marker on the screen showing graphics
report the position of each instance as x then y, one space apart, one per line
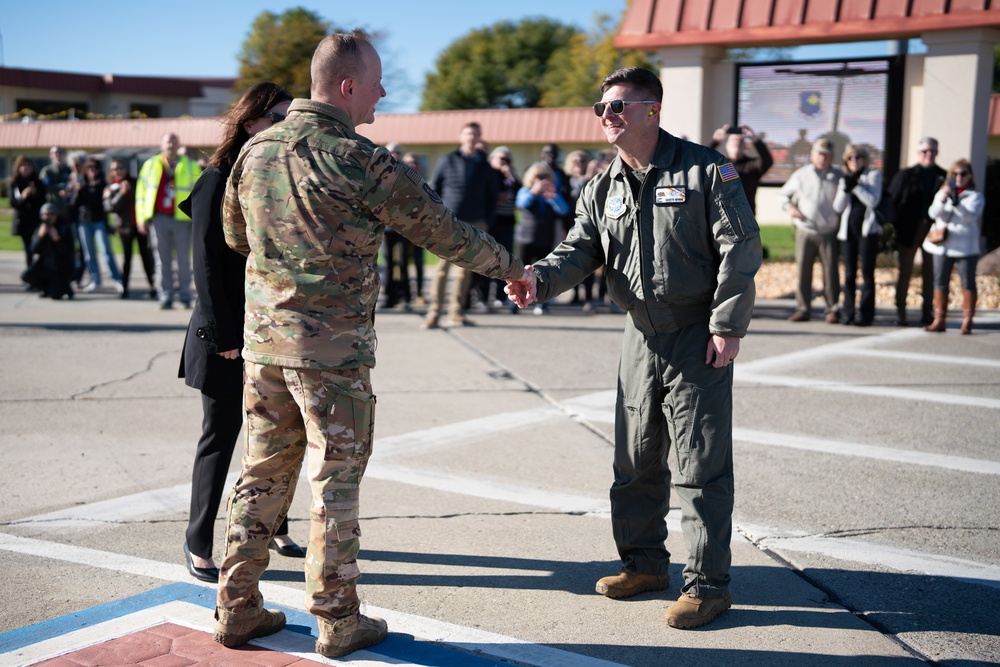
790 105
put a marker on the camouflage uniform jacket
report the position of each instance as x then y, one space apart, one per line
679 249
307 202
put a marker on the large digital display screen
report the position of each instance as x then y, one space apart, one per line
790 105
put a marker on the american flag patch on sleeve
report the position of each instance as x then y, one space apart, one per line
728 172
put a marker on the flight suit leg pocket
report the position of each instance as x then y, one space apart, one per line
700 429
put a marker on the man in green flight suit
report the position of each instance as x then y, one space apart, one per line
308 201
670 224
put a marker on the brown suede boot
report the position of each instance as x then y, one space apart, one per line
628 583
968 310
940 311
237 628
693 612
349 634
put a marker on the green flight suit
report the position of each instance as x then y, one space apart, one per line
680 247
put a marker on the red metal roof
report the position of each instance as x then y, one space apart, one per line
101 134
500 126
650 24
109 83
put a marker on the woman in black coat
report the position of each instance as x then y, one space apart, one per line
211 359
27 194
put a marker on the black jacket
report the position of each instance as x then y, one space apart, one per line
219 274
912 201
26 209
467 185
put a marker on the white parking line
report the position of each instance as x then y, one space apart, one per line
869 553
469 639
842 448
598 407
899 393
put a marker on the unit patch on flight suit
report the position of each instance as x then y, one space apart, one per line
615 208
671 195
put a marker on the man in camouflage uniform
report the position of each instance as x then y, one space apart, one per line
308 201
671 226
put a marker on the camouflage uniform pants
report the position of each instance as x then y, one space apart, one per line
289 411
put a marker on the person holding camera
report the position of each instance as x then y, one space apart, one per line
858 195
751 169
957 211
92 218
541 206
27 194
52 250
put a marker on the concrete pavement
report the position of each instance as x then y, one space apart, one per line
866 492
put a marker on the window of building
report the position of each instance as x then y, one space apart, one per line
52 108
145 110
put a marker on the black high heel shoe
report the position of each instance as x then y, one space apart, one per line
291 551
209 574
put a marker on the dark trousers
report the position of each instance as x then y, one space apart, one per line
502 230
865 249
907 254
220 427
27 236
397 251
145 252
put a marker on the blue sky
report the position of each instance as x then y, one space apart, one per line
188 38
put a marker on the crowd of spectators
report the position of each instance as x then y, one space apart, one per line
837 211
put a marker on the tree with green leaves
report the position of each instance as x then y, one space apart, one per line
536 62
573 76
498 67
280 47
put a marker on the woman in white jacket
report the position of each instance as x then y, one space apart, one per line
957 208
858 195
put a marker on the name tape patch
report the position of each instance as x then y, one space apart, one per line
671 194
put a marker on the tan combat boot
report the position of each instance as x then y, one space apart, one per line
349 634
968 310
628 583
693 612
940 311
237 628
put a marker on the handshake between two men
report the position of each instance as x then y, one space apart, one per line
522 292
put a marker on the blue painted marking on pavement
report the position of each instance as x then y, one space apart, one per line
397 646
62 625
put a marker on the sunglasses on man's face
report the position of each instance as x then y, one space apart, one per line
275 116
618 106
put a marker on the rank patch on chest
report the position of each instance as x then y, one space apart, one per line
728 172
614 208
671 195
